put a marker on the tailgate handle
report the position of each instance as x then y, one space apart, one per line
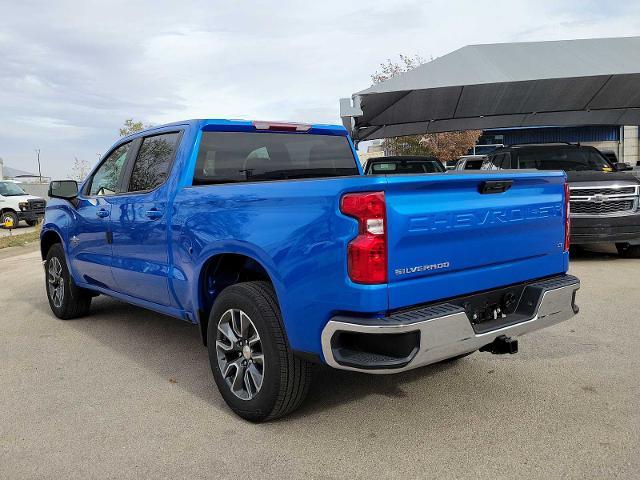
495 186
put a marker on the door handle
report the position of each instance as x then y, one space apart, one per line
154 214
495 186
102 213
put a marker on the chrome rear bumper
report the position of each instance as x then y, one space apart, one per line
445 330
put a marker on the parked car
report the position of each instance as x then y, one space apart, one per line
470 162
604 197
17 205
403 164
270 239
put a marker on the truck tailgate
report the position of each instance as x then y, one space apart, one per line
447 238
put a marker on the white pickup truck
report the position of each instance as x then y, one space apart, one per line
16 205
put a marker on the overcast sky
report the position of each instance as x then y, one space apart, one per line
72 71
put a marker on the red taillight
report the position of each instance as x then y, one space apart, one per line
567 221
367 253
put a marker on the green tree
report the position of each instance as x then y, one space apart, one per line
445 146
130 127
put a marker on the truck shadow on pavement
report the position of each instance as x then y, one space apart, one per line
172 350
597 252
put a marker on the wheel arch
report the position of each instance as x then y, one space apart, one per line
7 210
221 270
49 238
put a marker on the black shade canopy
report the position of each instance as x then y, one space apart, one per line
561 83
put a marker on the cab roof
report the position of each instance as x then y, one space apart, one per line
240 125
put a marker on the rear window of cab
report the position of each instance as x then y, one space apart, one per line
231 157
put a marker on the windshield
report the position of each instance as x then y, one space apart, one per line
229 157
8 189
567 159
407 166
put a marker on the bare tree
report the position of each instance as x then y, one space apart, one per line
80 170
390 68
446 146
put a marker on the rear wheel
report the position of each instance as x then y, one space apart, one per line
257 374
9 217
626 250
66 300
32 223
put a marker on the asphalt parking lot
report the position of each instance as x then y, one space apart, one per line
127 393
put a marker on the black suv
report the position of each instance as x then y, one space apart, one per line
604 198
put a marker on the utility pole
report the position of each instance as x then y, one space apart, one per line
39 169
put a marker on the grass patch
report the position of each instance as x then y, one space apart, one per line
19 239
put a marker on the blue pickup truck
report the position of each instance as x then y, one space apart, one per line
269 237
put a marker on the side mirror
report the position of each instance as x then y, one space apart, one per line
65 189
621 167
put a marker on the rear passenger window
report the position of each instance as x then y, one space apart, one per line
153 162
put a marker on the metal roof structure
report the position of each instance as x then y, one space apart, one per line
560 83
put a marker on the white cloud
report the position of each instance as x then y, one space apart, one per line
73 71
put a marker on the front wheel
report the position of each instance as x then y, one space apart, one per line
255 370
9 218
626 250
65 298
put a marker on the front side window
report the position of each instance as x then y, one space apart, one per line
229 157
106 180
153 162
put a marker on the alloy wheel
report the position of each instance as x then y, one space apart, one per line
239 353
56 282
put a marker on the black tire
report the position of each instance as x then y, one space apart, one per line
626 250
73 302
32 223
9 215
285 378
